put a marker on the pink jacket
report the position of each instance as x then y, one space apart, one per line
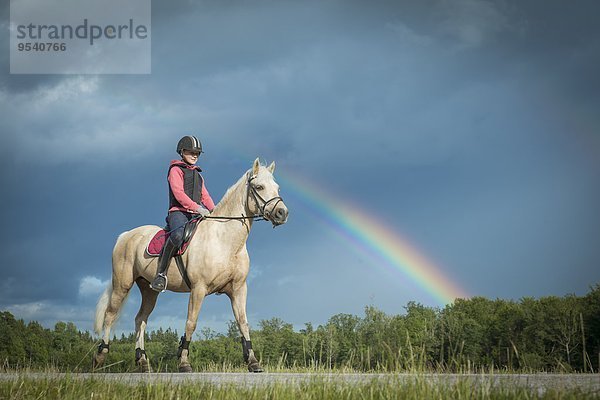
175 179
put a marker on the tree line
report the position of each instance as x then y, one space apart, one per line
478 334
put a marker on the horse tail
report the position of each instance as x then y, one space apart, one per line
101 307
103 301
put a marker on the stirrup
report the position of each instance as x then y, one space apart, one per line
158 289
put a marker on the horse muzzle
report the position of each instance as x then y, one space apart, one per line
278 216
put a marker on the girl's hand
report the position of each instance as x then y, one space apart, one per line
202 211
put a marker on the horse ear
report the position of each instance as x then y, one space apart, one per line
271 167
255 166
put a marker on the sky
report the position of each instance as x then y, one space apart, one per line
421 146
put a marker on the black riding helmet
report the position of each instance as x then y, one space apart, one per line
189 143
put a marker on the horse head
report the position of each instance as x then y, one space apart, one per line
263 194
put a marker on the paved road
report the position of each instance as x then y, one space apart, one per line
536 382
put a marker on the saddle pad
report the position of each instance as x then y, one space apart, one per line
158 241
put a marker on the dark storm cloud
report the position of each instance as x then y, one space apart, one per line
16 83
465 125
371 67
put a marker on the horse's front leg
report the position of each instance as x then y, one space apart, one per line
195 304
238 303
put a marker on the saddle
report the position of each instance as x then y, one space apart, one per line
157 243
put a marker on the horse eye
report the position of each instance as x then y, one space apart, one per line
259 187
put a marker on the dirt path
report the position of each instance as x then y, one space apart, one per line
536 382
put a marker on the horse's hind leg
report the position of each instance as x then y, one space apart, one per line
115 301
149 297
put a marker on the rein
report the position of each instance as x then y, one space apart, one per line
262 216
240 218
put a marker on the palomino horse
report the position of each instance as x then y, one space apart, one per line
217 262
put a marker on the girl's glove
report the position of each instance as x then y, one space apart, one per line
202 211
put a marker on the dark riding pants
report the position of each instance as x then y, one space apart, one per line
176 220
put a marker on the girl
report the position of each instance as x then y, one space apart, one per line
188 198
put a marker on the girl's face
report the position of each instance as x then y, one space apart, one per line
190 157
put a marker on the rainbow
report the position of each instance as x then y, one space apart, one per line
373 238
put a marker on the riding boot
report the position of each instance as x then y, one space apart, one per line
159 283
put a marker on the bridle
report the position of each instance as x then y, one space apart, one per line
258 199
261 203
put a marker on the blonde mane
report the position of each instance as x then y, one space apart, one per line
225 203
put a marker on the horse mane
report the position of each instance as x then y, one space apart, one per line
226 199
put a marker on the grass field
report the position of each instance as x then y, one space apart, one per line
71 387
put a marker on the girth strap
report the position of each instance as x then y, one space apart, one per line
183 270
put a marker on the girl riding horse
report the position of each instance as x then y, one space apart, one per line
188 198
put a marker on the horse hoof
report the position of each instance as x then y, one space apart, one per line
185 368
144 366
255 367
98 361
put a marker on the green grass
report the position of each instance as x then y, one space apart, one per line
69 387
